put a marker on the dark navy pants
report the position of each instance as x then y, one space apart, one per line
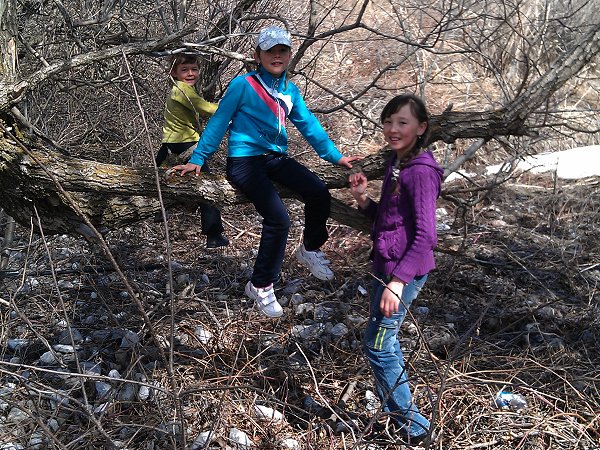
254 176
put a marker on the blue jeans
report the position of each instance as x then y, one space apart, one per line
254 177
382 349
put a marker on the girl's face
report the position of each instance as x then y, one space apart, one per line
275 60
402 129
188 73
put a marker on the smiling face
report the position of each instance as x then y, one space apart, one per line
401 130
186 72
275 60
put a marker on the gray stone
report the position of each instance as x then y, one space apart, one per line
90 368
16 415
53 424
265 413
102 389
308 332
126 392
339 330
355 320
58 398
61 348
291 444
100 335
422 310
372 402
130 339
48 358
304 309
323 313
297 299
65 284
11 446
90 320
183 279
293 286
239 438
143 393
16 345
65 337
176 265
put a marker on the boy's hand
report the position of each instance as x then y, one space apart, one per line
347 160
189 167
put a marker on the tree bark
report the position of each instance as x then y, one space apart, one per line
113 196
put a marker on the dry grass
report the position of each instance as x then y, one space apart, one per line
513 304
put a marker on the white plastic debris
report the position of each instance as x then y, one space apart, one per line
291 444
240 438
266 413
201 440
372 401
203 334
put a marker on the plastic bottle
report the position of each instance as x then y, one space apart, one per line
508 400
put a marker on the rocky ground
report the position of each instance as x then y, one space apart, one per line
167 353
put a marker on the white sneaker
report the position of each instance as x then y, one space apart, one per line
316 263
265 299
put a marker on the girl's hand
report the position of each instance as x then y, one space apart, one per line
390 298
347 160
189 167
358 187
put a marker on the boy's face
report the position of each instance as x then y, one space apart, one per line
188 73
275 60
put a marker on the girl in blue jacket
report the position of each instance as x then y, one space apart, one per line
254 110
404 236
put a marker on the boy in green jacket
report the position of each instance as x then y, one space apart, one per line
180 133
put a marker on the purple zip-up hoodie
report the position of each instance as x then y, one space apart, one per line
404 232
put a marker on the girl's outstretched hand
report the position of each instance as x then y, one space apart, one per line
346 161
189 167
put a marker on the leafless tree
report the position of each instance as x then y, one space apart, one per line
90 86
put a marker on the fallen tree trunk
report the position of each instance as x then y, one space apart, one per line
113 196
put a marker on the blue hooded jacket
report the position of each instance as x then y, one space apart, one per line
254 109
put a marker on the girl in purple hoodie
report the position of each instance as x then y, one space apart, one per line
404 236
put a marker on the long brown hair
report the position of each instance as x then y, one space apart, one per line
419 110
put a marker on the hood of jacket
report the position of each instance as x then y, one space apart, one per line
425 158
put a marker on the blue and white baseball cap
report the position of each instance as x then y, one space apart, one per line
271 36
